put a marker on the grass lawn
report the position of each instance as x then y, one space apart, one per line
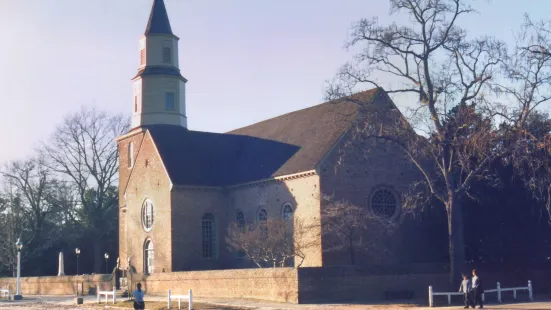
156 305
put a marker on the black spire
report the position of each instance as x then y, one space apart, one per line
158 20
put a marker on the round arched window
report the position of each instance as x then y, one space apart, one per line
384 204
262 216
147 215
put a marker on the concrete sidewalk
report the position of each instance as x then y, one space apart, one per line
67 302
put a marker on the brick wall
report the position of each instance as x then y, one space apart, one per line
279 284
135 137
345 284
189 205
353 171
301 193
148 180
65 285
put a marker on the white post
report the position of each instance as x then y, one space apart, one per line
430 296
97 292
179 303
18 290
169 304
530 293
190 300
114 294
449 299
61 269
498 292
514 294
483 297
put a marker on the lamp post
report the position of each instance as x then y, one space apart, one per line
18 246
77 252
106 262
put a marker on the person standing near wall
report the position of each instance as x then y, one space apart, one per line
139 303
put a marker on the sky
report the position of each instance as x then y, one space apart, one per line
245 60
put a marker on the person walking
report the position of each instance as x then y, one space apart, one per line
139 303
478 290
466 288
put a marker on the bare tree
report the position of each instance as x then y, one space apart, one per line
524 96
433 60
11 219
274 243
350 228
34 186
84 152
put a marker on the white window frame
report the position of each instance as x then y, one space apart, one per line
131 155
148 215
149 257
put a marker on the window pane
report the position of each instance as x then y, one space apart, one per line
384 204
169 101
287 212
209 237
147 215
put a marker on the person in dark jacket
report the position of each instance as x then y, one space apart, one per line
478 290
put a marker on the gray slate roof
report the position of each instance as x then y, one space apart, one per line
158 19
287 144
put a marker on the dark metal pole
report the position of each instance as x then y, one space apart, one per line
106 269
77 265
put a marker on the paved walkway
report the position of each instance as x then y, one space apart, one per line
66 302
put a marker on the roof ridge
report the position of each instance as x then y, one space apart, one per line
304 109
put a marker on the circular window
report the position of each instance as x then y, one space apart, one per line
384 204
147 215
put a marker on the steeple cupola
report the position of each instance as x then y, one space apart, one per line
159 87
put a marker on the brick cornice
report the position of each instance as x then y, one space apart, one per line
131 133
250 184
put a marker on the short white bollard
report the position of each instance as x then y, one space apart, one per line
498 292
431 301
530 293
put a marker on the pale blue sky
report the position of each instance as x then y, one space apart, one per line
246 60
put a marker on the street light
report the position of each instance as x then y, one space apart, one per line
77 252
18 246
106 259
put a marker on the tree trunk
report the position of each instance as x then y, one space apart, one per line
456 241
98 259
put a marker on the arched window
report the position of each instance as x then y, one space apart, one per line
240 220
263 222
287 212
384 204
149 257
262 216
147 215
130 154
209 236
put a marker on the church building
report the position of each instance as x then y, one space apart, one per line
180 189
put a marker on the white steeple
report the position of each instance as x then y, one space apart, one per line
159 88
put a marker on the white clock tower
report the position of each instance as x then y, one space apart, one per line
159 88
